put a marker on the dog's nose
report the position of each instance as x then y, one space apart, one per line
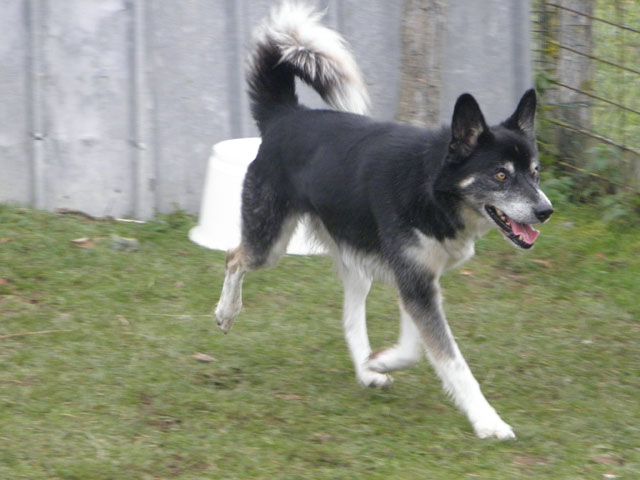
544 213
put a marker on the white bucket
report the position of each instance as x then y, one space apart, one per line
219 221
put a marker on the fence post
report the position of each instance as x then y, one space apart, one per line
569 36
422 42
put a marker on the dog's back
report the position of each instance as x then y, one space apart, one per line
341 167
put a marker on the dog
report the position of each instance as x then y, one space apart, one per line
391 202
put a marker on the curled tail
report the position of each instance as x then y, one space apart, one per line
292 42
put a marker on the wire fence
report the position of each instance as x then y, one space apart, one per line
586 56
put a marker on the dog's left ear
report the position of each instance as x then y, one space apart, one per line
467 126
524 117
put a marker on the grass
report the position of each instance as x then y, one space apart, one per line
106 386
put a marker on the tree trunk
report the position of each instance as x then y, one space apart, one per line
420 81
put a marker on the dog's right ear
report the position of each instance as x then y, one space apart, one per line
467 126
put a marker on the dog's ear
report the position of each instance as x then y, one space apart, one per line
523 119
467 126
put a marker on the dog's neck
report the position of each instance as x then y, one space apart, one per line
475 224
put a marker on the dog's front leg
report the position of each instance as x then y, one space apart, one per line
407 352
354 321
422 299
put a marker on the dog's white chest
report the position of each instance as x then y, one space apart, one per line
440 256
459 250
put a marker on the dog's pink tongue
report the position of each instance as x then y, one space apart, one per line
527 232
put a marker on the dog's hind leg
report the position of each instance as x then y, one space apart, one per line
230 302
267 227
407 352
244 259
356 289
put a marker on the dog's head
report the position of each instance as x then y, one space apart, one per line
495 170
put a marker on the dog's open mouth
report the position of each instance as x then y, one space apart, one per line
521 234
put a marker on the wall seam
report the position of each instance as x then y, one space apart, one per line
144 203
35 25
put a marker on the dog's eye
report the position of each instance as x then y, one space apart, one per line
501 175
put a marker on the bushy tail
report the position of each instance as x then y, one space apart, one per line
292 42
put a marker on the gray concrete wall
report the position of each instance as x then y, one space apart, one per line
111 106
488 54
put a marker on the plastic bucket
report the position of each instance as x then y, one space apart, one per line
219 219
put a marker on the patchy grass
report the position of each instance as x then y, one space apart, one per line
100 381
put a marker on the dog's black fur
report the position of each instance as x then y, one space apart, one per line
372 183
412 199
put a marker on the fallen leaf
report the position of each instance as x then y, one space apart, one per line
321 437
84 242
165 424
4 281
610 475
69 211
289 396
607 459
467 273
179 284
6 240
544 263
600 255
527 460
202 357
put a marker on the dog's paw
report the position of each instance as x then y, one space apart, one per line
494 428
373 379
225 317
391 359
376 361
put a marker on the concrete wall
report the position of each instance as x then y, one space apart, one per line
111 106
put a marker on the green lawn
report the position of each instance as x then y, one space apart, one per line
105 386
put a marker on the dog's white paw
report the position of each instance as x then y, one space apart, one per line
225 316
494 427
376 362
390 359
369 378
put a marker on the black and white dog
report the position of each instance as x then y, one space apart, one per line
391 202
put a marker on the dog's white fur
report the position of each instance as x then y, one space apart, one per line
318 51
321 53
457 379
357 273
